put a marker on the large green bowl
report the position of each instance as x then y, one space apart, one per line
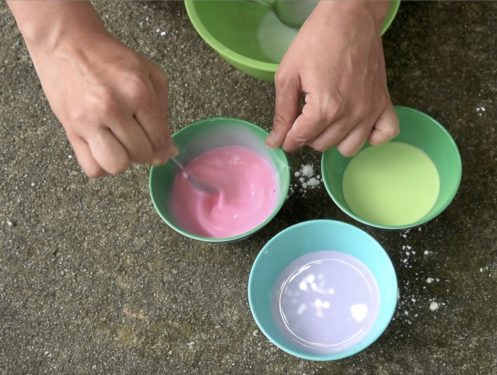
231 27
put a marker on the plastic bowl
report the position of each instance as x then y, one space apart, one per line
421 131
205 135
305 238
231 28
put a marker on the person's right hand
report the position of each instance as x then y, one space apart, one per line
111 102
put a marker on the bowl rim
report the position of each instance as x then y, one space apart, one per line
452 191
284 189
363 345
249 62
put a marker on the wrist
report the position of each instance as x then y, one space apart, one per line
375 10
50 25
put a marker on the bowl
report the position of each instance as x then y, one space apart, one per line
206 135
305 241
402 184
248 35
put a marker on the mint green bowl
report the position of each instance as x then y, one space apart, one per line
231 27
202 136
416 129
305 238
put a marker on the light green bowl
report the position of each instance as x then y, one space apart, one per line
202 136
230 28
416 129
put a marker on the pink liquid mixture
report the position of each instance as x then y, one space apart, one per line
247 186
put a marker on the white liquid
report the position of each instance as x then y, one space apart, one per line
326 301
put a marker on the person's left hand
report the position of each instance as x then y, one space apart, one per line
337 62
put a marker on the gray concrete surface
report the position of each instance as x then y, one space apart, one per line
92 282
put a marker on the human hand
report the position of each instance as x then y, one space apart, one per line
337 62
111 102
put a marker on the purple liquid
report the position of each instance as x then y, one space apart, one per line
326 301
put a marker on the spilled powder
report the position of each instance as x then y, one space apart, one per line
305 179
434 306
415 292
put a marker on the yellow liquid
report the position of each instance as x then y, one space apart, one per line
391 184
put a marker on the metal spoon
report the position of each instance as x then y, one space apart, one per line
196 183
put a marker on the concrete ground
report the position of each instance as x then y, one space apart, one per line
93 282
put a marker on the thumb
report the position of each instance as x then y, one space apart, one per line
286 108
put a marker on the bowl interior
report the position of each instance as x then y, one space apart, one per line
416 129
246 32
311 236
206 135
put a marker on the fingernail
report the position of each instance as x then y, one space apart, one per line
271 139
157 161
174 150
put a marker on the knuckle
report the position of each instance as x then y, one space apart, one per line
279 118
106 102
300 137
392 131
281 78
331 106
360 111
137 90
77 115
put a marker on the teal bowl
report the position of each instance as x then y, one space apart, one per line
205 135
233 30
303 239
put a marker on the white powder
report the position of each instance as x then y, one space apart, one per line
434 306
480 110
313 181
306 179
308 170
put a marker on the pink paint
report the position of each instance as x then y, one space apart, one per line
247 186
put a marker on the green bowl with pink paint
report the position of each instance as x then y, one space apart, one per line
247 34
204 136
402 184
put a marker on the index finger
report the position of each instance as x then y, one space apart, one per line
320 111
153 118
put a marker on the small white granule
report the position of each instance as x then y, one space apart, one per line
434 306
313 182
305 179
429 280
308 170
